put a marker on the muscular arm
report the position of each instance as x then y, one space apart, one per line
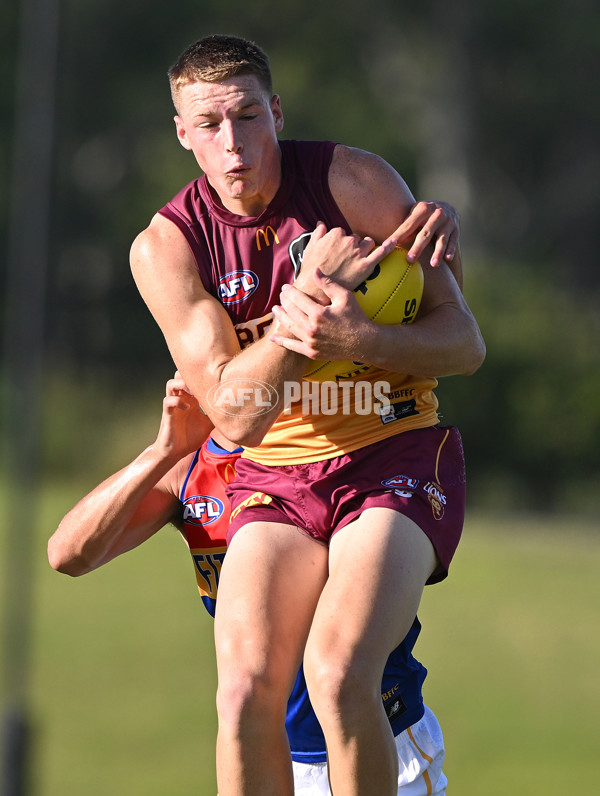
202 339
119 514
131 505
373 196
445 338
443 341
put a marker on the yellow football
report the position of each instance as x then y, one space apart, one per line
392 294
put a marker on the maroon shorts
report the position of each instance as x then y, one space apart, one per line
419 473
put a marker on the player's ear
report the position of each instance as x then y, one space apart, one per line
181 134
277 112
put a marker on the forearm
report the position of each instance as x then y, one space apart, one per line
94 531
249 395
240 389
257 376
446 342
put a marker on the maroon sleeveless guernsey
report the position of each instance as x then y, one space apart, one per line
244 262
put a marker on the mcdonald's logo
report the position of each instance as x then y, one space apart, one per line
264 234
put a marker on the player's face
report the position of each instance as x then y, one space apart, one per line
231 127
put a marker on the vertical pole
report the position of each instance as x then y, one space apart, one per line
27 261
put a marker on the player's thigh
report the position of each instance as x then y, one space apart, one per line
378 566
271 580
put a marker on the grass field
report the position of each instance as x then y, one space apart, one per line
123 676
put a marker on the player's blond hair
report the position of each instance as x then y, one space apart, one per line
219 57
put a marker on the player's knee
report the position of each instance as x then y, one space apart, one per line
245 702
341 685
248 694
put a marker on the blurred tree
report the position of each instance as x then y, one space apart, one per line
488 105
538 148
8 55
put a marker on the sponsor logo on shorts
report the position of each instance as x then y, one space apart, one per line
202 509
398 411
237 286
437 499
256 499
402 485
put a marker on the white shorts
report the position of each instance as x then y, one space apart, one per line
420 759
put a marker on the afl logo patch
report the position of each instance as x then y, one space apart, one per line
202 509
401 482
237 286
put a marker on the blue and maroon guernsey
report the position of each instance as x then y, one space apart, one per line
244 262
205 521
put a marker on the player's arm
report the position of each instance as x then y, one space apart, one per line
202 339
133 504
373 196
445 338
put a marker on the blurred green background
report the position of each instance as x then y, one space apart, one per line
491 106
123 680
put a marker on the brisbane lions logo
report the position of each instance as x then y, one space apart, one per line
437 499
237 286
202 509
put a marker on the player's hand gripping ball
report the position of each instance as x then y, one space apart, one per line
391 295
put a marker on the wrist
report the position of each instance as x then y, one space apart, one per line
307 285
372 338
160 457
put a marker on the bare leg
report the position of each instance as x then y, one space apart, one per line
378 567
270 583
